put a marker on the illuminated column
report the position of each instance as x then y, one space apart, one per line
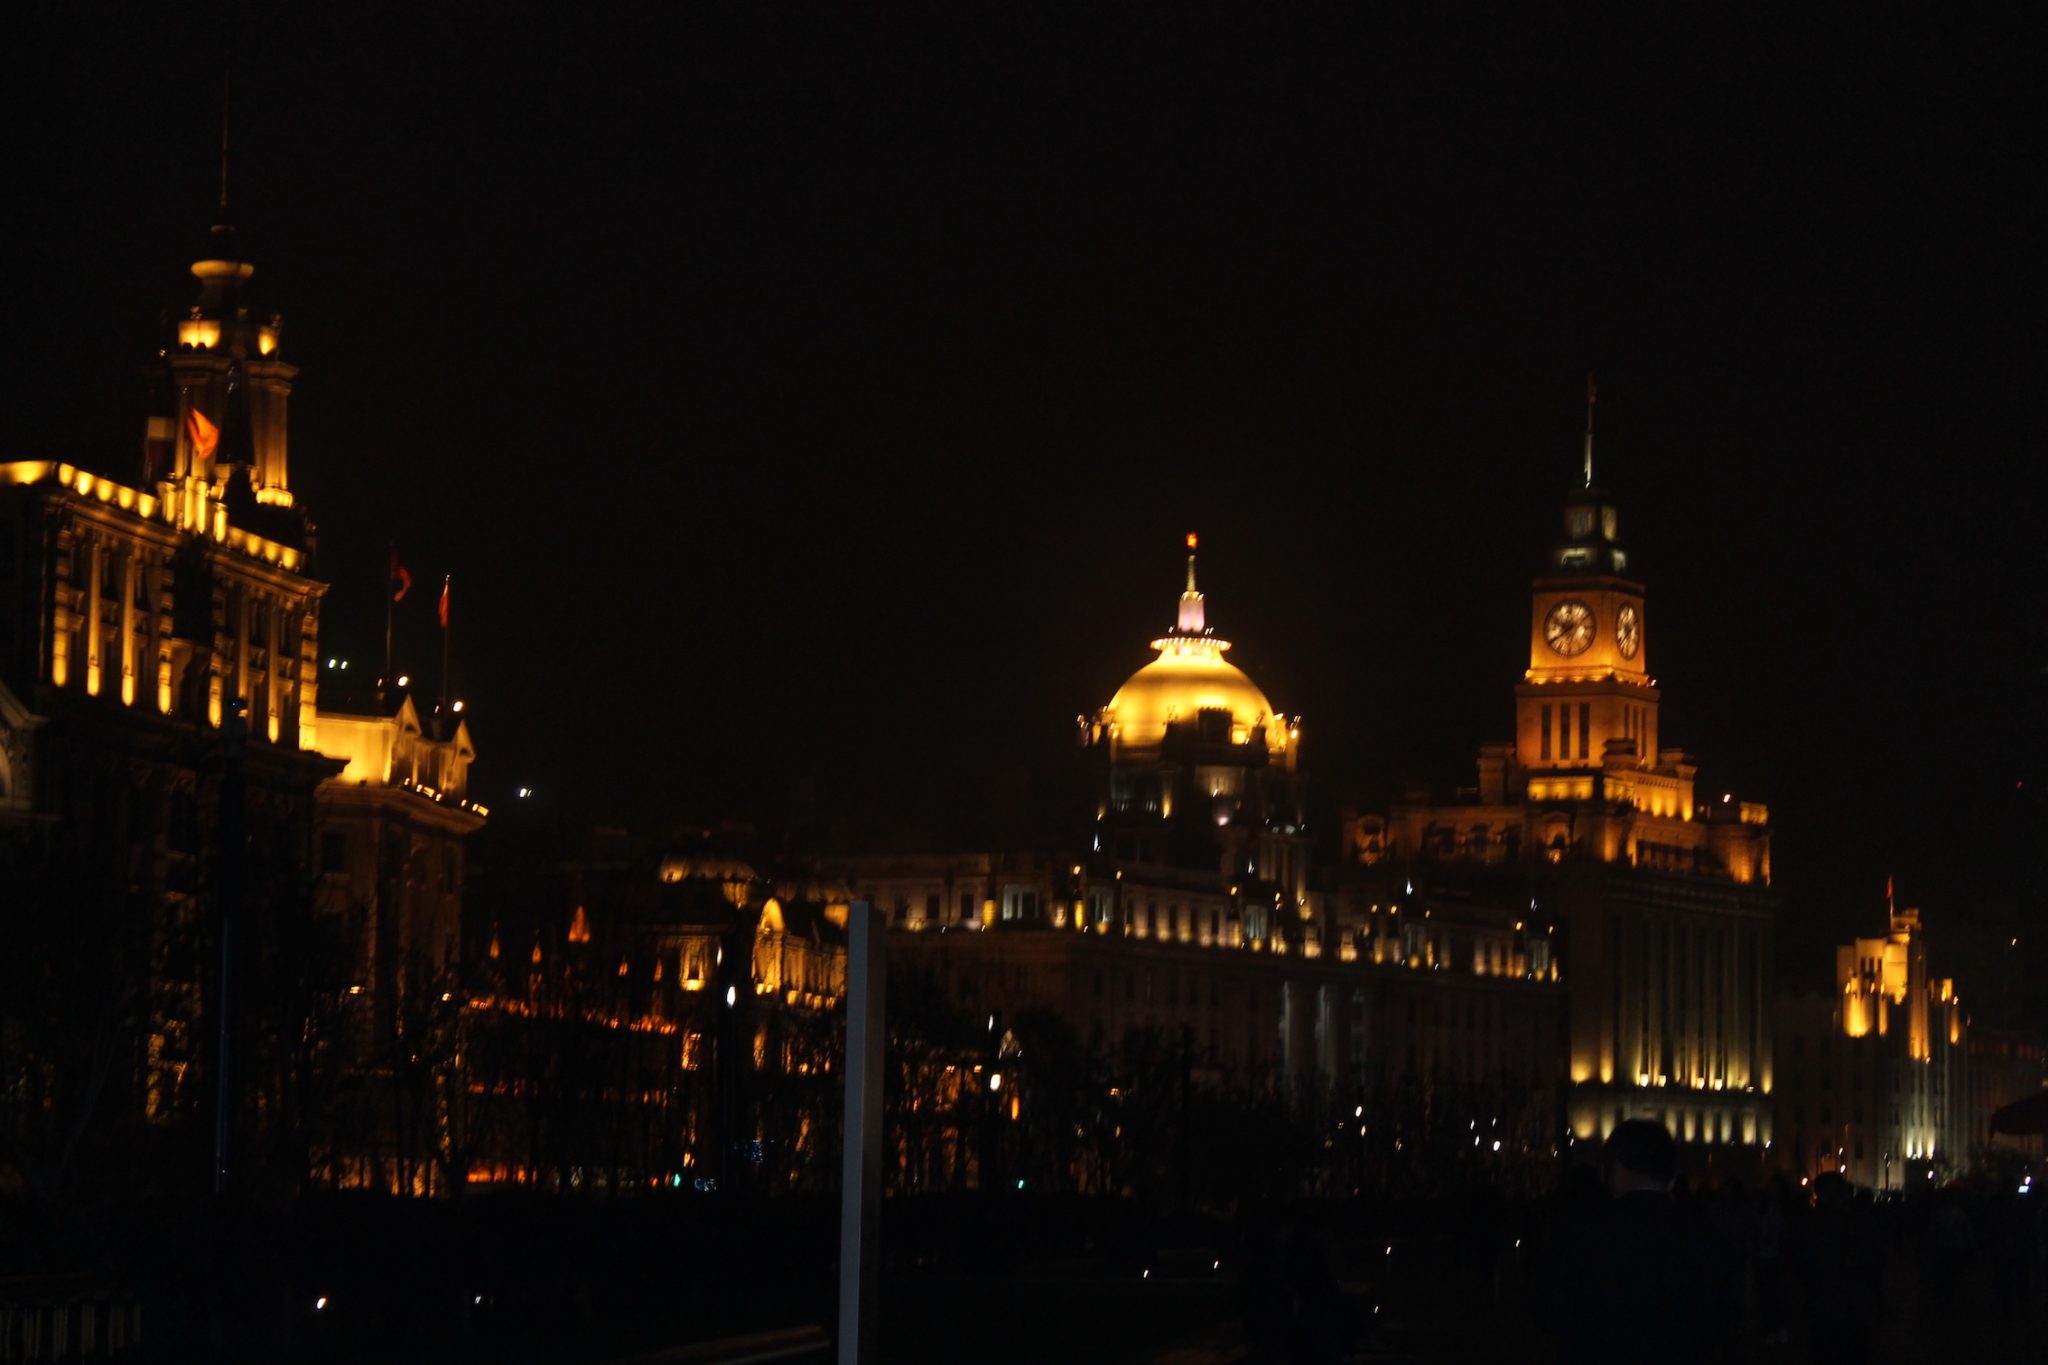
1741 1011
60 629
1655 954
129 569
309 673
216 685
240 626
160 635
273 668
95 568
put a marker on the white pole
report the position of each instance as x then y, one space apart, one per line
860 1271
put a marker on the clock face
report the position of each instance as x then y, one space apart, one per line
1628 632
1568 629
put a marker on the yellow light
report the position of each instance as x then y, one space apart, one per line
1191 540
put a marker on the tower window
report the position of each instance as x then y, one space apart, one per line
1546 729
1585 728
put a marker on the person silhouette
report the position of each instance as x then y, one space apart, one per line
1640 1276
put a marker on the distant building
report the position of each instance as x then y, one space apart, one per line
164 757
1194 769
1872 1077
1586 825
1190 910
393 828
159 642
2005 1066
649 1012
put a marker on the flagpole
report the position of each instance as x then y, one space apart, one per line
442 711
390 604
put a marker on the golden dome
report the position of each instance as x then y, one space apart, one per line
1185 680
1189 677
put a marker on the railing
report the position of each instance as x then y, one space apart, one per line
56 1319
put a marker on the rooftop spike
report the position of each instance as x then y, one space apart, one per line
1592 397
1190 620
225 91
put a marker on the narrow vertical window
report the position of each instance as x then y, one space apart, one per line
1585 728
1546 729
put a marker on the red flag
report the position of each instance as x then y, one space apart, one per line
444 604
400 577
203 434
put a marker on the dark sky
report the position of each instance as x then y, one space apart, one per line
809 408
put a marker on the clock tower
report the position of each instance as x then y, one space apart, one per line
1588 685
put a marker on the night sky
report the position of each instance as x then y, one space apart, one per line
809 409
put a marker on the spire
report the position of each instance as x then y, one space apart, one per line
222 282
1190 637
1191 617
224 105
1592 397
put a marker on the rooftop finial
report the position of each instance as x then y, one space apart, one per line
1592 397
1190 621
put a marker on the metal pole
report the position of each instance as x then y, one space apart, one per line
860 1270
390 603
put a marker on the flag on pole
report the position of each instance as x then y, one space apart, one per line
203 434
444 604
400 579
1592 391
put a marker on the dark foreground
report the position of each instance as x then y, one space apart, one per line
514 1278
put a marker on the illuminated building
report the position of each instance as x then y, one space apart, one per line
393 825
650 1012
1196 770
1873 1077
1588 824
1191 911
138 616
160 680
